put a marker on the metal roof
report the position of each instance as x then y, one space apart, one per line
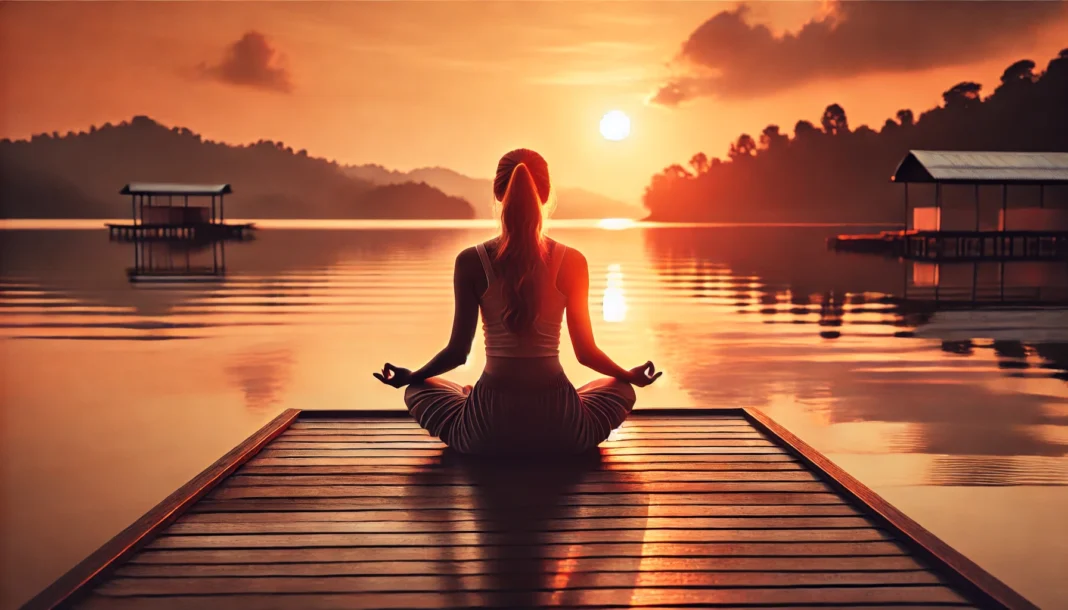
157 188
969 167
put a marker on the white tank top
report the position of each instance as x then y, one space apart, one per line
544 338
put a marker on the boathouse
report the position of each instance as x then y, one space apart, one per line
964 205
172 211
982 176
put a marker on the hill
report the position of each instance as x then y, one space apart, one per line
833 173
78 175
571 202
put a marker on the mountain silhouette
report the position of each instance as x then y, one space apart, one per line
79 175
832 173
570 202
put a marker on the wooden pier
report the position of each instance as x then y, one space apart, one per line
959 245
191 232
695 508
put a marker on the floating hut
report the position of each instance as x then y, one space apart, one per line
944 225
164 212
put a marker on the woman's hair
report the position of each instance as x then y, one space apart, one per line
522 186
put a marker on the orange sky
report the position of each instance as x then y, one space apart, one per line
451 84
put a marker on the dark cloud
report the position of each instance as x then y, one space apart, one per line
731 57
251 61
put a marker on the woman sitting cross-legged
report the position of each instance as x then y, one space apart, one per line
523 283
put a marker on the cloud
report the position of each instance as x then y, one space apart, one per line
252 62
729 57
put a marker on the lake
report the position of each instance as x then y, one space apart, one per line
943 388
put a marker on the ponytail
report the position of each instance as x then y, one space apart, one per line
520 250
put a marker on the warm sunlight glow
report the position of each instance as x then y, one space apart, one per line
614 305
616 224
615 125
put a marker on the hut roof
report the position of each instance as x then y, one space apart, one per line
967 167
158 188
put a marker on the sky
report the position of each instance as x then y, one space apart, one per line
457 84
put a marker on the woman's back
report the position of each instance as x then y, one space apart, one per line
542 340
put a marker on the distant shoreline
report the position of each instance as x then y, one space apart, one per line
77 224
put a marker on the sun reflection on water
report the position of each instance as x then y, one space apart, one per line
614 304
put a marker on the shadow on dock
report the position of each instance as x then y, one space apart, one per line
511 534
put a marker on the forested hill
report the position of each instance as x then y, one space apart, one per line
836 173
78 175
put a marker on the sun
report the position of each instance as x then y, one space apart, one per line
615 125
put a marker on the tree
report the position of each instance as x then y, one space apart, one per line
905 117
1023 70
804 130
744 147
699 163
772 139
834 120
962 95
676 171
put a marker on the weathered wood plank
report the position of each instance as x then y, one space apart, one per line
197 524
539 551
608 463
449 539
658 426
435 583
430 443
206 510
624 597
309 476
423 435
963 572
469 503
612 470
531 566
606 451
97 565
287 489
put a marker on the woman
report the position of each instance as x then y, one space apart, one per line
523 283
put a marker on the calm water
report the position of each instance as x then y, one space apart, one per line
116 394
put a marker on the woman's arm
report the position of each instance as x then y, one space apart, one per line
464 323
576 277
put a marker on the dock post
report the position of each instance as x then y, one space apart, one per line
1004 207
906 206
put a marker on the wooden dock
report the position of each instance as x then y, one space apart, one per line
959 245
694 508
170 232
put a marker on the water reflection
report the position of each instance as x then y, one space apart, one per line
614 304
924 376
965 402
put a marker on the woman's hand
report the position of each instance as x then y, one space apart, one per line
643 375
394 375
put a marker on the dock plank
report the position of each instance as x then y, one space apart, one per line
711 508
634 550
208 510
877 563
377 539
629 597
202 585
283 524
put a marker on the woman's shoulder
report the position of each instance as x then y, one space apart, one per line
573 261
570 253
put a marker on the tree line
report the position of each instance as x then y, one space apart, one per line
834 173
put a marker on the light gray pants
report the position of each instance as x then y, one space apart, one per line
494 419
